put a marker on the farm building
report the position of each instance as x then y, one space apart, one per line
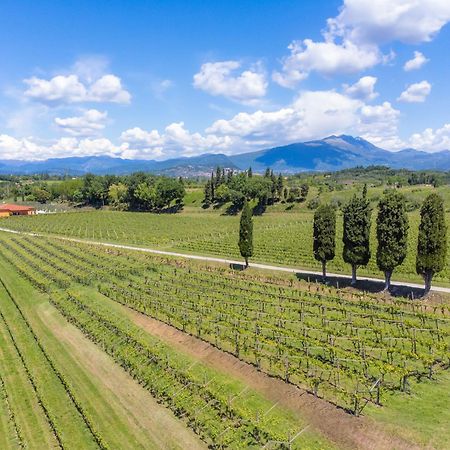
7 210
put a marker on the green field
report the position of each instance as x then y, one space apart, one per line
344 348
281 238
102 347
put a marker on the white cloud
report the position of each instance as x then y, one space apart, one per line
313 114
219 79
352 40
382 21
67 88
175 141
70 89
108 88
415 93
363 89
31 149
379 125
91 123
432 140
415 63
327 58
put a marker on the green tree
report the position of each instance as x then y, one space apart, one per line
117 195
223 193
280 184
41 195
167 191
324 236
246 233
432 242
356 233
145 196
208 199
392 234
304 189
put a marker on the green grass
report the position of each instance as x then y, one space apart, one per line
423 416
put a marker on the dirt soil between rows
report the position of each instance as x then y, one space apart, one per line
340 427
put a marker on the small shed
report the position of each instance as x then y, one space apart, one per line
7 210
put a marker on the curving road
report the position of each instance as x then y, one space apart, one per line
394 284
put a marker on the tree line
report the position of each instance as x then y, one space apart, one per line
392 228
226 185
139 191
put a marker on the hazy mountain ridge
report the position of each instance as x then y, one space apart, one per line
331 153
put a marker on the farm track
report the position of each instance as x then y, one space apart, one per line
261 266
341 428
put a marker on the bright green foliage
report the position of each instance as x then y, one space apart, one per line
246 233
356 234
324 233
432 241
392 231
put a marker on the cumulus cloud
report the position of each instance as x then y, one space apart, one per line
415 63
432 140
327 58
313 114
363 89
415 93
32 149
379 125
352 39
176 140
90 123
70 89
221 79
383 21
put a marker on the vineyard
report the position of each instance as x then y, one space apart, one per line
220 410
284 239
350 349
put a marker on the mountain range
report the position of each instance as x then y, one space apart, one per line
328 154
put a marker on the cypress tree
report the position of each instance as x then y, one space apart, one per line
208 194
324 235
218 177
280 183
356 233
432 242
249 172
392 234
246 233
213 187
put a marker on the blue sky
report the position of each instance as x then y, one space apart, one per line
154 80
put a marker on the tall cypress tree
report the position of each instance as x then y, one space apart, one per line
356 233
324 235
208 194
246 233
392 234
432 242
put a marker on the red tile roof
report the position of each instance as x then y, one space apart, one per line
13 208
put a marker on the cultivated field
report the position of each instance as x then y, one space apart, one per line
85 328
280 237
